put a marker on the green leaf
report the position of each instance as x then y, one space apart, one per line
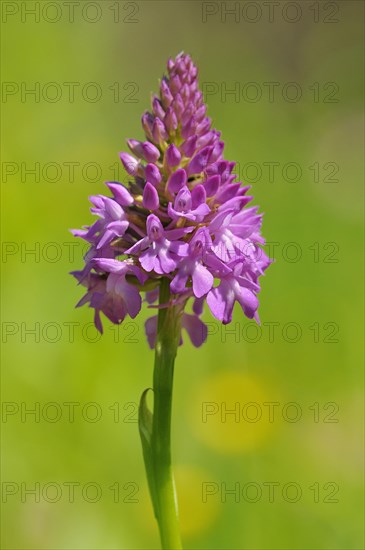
145 432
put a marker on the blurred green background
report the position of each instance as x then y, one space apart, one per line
299 376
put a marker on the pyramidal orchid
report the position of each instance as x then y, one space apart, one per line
180 231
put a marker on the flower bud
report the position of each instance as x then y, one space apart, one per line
217 151
130 163
189 146
188 113
157 107
189 128
185 92
200 161
159 133
206 139
150 152
198 195
121 195
178 105
211 185
177 180
166 95
170 120
150 197
147 123
153 174
200 113
172 155
136 147
203 126
175 84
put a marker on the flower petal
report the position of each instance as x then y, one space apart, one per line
202 280
196 329
151 331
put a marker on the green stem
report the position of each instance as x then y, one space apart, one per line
168 337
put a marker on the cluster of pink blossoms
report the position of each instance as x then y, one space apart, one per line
182 217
